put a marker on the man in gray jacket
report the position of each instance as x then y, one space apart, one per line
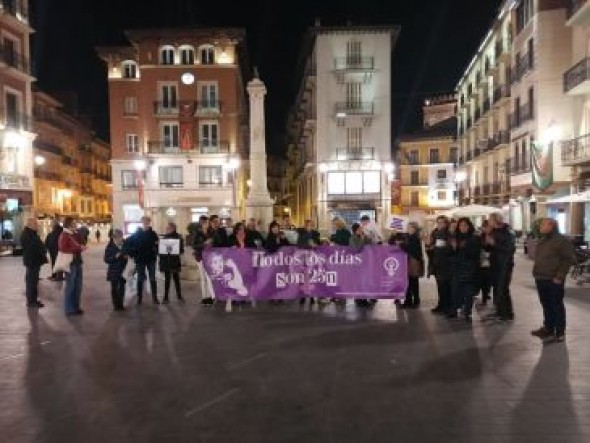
553 259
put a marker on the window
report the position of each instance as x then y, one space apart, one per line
130 106
441 195
414 177
516 157
210 175
130 179
207 55
132 143
167 55
354 137
129 69
353 95
187 55
353 53
209 140
354 183
11 110
531 53
434 157
10 52
531 102
441 174
413 157
171 176
209 96
453 155
169 96
486 174
524 152
414 198
170 135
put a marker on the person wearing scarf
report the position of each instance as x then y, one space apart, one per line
69 243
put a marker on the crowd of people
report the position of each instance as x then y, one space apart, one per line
465 261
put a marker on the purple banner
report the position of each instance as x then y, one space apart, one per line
327 271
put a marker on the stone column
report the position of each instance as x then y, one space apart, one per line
258 204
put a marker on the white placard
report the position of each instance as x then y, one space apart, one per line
169 246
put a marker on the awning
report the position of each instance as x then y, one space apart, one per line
580 197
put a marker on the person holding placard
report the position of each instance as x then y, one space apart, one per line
170 249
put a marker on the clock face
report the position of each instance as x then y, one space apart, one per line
188 78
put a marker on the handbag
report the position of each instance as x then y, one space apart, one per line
63 262
415 267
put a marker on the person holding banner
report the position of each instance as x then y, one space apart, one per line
170 263
275 239
203 239
341 236
358 241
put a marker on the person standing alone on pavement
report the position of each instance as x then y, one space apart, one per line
70 243
51 245
170 264
34 256
143 247
553 258
439 263
117 261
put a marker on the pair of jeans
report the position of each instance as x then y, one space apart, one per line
172 276
141 277
551 296
463 295
32 284
73 289
118 292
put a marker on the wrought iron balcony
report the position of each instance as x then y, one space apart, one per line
355 154
14 181
354 63
524 64
499 138
576 151
576 80
167 108
202 147
517 166
344 109
208 107
501 92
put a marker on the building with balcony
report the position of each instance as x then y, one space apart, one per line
72 170
575 146
179 124
483 117
16 131
340 126
427 162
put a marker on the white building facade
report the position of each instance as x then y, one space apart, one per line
341 126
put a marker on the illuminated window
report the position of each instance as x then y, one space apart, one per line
210 175
167 55
207 54
171 176
129 69
352 183
187 55
336 183
371 182
132 143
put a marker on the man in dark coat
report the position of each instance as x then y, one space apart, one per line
307 236
117 261
143 248
440 255
51 245
34 256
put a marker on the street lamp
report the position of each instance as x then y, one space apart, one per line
39 160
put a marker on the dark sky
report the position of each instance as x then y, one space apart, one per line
437 41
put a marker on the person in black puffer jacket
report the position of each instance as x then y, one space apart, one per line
170 264
117 261
34 256
275 239
466 258
439 264
51 245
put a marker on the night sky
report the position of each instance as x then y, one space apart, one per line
437 40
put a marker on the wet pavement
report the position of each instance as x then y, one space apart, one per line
183 373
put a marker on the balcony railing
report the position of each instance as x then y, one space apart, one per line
18 121
353 108
419 182
574 6
501 92
576 75
354 63
499 138
517 166
203 147
525 63
16 8
208 107
14 59
14 181
355 154
166 108
576 150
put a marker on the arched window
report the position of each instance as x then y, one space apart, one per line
207 55
167 55
129 69
187 55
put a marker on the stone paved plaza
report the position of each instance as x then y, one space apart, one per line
183 373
